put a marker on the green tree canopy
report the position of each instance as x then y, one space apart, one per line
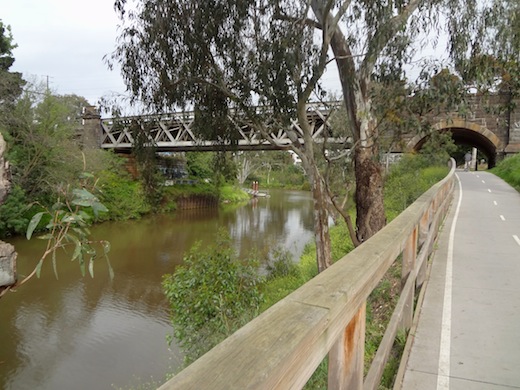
262 61
11 83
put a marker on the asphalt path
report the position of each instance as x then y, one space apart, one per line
468 333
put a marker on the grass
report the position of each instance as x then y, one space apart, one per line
509 170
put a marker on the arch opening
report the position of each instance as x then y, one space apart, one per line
465 134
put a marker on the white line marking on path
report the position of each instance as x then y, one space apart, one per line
443 373
483 182
489 190
495 203
516 239
502 218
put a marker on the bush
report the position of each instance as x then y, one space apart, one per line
211 295
232 194
408 179
13 213
124 198
280 264
509 170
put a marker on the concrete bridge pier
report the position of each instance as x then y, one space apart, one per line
91 128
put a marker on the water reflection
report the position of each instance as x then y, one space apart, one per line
87 333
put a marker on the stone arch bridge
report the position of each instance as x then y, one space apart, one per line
493 127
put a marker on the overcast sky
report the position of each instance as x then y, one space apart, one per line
65 40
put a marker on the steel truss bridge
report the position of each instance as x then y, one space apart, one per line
174 132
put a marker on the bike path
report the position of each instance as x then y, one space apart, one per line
468 332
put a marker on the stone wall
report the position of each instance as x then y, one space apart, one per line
514 129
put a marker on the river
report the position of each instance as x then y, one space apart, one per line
83 333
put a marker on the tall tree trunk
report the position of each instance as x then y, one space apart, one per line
370 208
321 220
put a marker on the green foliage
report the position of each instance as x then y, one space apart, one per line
211 295
408 179
11 83
225 168
66 224
144 151
200 164
278 287
232 194
273 169
124 197
280 264
13 213
438 148
43 152
509 170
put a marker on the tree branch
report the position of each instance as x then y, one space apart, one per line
382 35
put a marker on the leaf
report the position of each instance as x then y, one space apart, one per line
110 269
106 247
69 218
35 220
77 250
54 264
39 268
82 265
83 198
98 207
86 175
58 206
84 215
91 267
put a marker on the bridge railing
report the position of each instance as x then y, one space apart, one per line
281 348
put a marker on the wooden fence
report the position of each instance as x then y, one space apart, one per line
281 348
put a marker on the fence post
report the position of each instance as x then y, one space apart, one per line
347 355
408 265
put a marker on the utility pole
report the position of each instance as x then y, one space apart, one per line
47 77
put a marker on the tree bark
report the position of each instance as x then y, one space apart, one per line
370 208
321 220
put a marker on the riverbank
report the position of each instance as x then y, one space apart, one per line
405 183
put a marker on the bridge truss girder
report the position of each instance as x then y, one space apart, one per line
174 132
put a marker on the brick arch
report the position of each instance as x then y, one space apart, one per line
464 132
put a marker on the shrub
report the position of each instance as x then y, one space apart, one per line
211 295
124 198
509 170
408 179
13 213
280 264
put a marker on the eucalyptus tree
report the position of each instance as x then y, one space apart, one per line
260 62
491 59
11 84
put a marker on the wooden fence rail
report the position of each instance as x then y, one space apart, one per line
281 348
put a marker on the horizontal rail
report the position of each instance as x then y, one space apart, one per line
282 347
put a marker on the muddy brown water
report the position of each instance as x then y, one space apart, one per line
83 333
